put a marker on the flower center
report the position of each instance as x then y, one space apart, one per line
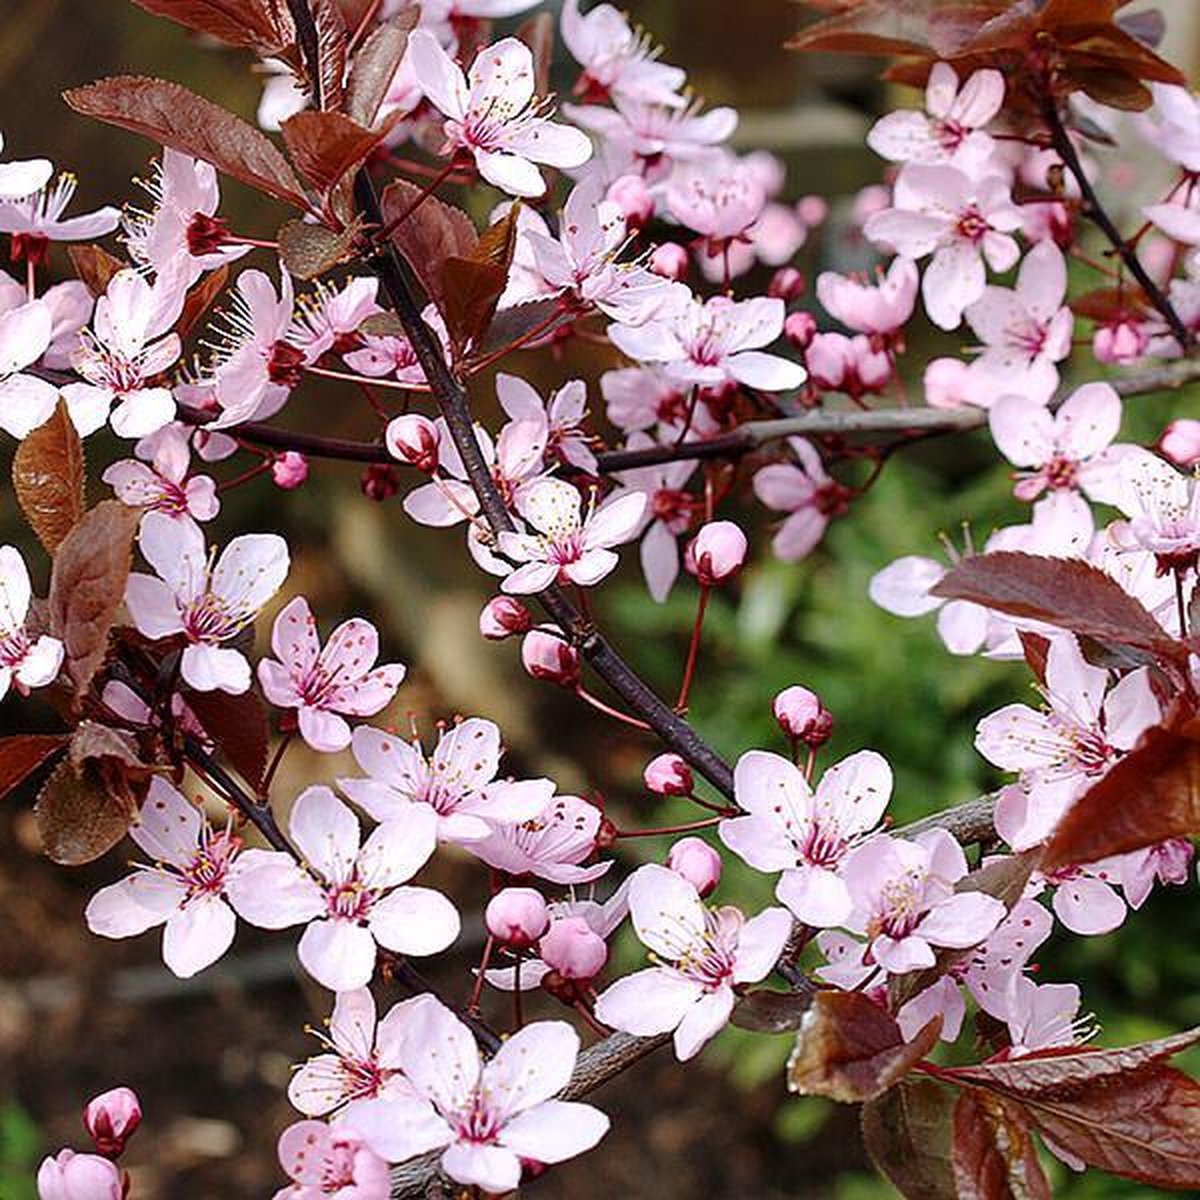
349 901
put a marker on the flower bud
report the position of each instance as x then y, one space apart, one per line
668 775
517 917
573 949
716 553
812 210
803 717
1180 442
289 470
786 284
632 196
414 439
669 260
550 658
380 482
71 1176
1121 341
697 862
503 616
112 1119
800 328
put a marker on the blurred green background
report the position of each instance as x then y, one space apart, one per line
211 1057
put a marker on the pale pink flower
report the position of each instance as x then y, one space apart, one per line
325 1160
185 890
71 1176
36 220
1026 329
70 305
773 240
716 341
1140 870
804 490
1177 133
567 547
653 132
1043 1017
716 198
1085 897
905 904
282 95
23 178
326 684
904 588
1163 507
803 716
25 400
638 398
445 18
617 61
953 130
360 1060
1070 449
698 863
1180 442
163 484
1060 753
389 355
703 955
716 554
806 835
209 603
882 308
486 1117
939 210
122 356
566 439
493 114
551 845
329 318
457 783
854 365
350 895
25 662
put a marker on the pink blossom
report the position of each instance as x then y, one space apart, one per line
948 383
25 662
806 492
566 439
445 18
1178 216
1177 133
70 305
880 309
704 954
802 716
1121 340
1042 1017
329 319
714 341
640 398
800 329
670 260
36 220
186 889
717 552
325 1160
289 470
349 894
19 178
567 547
1140 870
503 617
571 948
854 365
1180 442
788 284
360 1060
552 845
655 133
697 862
939 210
1062 752
209 603
631 195
414 439
717 199
1163 507
457 783
953 130
71 1176
111 1119
486 1117
493 114
668 775
905 589
547 657
325 685
806 835
25 400
517 916
162 485
1066 450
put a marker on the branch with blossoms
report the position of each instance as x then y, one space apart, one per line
679 258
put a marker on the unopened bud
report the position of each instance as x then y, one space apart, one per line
787 284
669 260
289 470
112 1119
573 949
668 775
632 196
414 439
1180 442
550 658
697 862
716 553
800 328
517 917
812 210
1122 341
380 482
803 717
502 617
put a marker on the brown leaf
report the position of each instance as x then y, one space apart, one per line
94 266
431 234
326 145
473 285
908 1134
239 726
87 586
200 299
764 1011
21 755
1035 648
259 25
849 1049
168 113
994 1155
78 818
375 66
1059 591
519 321
332 42
48 478
310 250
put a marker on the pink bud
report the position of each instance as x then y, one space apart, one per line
380 482
786 284
803 717
716 553
573 949
669 260
550 658
71 1176
1180 442
289 470
112 1119
812 210
503 616
632 196
1121 341
800 328
414 439
668 775
697 862
517 917
947 383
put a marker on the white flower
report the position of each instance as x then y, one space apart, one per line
24 661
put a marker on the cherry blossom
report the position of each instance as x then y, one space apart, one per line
349 895
457 782
71 1176
26 660
208 603
25 400
23 178
163 484
879 309
806 492
1043 1017
389 355
447 18
493 114
1177 133
854 365
1163 507
487 1118
329 319
704 954
640 398
36 220
70 304
324 1160
185 890
905 589
718 200
564 414
806 835
551 845
567 547
326 684
939 210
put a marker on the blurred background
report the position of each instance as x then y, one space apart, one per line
211 1057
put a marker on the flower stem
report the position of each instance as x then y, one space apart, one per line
689 670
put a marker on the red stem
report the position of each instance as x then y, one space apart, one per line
693 650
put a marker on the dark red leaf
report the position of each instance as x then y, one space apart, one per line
1035 648
332 43
764 1011
238 726
48 477
80 816
994 1155
94 266
908 1133
310 250
21 755
375 66
326 145
200 299
473 286
259 25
